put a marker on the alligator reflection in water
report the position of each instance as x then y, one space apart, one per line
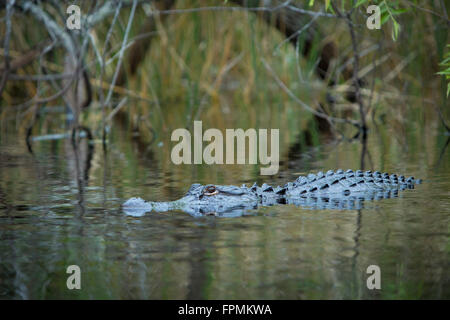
336 190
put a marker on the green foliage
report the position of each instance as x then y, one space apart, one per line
446 68
388 11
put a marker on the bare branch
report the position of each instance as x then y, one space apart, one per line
356 79
122 50
52 27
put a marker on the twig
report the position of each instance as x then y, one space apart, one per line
116 109
39 77
439 112
356 79
102 72
297 33
51 26
445 17
108 8
122 50
285 4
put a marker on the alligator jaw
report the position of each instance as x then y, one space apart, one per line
137 207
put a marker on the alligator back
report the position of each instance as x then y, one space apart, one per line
348 182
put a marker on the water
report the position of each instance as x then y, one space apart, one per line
59 208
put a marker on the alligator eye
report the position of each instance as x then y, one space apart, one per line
210 191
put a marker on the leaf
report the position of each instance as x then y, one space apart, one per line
395 30
384 19
398 11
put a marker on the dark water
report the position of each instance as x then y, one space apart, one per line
59 207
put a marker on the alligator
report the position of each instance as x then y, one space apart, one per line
337 190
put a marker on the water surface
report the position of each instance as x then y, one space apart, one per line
59 207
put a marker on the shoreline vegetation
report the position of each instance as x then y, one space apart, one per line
153 66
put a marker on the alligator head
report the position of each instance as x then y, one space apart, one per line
201 200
